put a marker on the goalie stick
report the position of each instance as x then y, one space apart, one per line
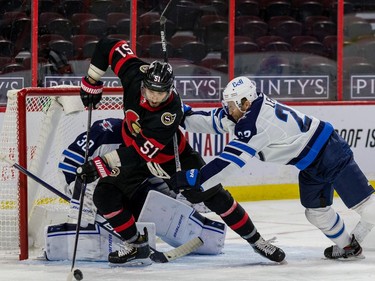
156 256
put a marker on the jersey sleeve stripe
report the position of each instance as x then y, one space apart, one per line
219 112
113 50
241 146
214 124
67 168
232 158
75 157
116 68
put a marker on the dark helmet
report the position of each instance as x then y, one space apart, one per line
159 77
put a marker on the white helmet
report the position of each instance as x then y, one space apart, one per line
239 88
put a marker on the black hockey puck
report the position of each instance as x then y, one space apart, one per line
78 274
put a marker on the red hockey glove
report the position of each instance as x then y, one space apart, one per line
93 169
91 93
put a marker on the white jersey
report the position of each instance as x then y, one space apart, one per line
269 131
208 122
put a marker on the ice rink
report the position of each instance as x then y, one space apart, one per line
303 244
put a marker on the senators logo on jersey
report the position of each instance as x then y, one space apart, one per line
168 118
144 68
132 121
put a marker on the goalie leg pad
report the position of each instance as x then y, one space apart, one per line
89 209
94 243
177 223
330 223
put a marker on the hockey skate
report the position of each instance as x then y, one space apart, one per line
267 250
350 252
133 254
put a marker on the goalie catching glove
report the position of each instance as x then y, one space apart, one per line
185 180
93 169
91 93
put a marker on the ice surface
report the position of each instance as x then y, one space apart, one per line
303 244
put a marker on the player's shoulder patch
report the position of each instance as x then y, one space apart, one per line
168 118
106 125
143 68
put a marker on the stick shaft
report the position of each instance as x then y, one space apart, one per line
163 39
83 187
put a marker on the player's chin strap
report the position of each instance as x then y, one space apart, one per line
156 256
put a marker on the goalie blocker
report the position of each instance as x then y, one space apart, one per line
174 222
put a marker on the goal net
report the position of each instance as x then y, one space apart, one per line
39 123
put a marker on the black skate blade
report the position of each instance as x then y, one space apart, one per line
351 258
133 263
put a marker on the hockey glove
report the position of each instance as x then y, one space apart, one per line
186 180
91 93
93 169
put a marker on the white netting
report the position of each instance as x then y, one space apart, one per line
9 194
53 121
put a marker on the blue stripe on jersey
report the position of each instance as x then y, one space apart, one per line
67 168
241 146
74 156
314 146
220 113
214 124
232 158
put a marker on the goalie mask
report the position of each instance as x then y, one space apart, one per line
238 89
159 78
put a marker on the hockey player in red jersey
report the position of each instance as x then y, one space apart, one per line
152 114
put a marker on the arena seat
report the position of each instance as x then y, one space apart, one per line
193 51
61 26
247 8
64 47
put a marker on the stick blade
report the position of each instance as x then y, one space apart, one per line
70 276
178 252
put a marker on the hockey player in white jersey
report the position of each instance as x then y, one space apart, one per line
273 132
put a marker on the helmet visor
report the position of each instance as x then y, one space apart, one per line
154 96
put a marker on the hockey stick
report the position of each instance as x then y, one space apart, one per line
81 198
163 39
156 256
178 252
